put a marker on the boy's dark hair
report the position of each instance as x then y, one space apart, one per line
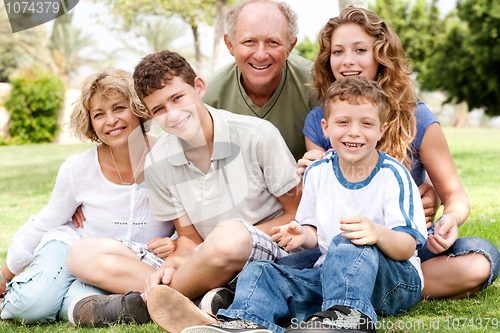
156 69
356 90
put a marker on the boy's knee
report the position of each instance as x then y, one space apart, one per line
229 241
257 268
339 241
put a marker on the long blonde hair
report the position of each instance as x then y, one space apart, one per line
393 76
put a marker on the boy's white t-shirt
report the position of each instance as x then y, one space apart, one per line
388 196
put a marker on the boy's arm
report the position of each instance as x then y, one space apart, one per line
397 245
188 240
290 202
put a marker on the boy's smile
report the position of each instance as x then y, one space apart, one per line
354 130
179 110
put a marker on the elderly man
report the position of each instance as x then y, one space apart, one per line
265 80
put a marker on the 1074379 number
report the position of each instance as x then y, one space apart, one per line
28 7
472 323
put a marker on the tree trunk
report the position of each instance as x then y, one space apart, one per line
197 51
356 3
221 8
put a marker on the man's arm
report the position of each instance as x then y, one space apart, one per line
290 202
188 240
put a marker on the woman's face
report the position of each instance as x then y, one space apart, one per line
113 120
352 52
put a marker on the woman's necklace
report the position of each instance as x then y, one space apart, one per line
119 175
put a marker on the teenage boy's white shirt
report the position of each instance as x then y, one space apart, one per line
251 167
389 197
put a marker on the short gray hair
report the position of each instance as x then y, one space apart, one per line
290 16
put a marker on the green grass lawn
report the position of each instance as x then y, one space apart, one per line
27 176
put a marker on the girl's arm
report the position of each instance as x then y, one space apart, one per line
312 146
314 152
437 160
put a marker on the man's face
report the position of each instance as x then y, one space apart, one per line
178 107
260 46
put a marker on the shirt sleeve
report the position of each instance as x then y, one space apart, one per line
275 160
425 118
403 209
312 128
306 212
61 207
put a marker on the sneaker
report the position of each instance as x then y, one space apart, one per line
231 326
215 299
96 310
173 311
338 318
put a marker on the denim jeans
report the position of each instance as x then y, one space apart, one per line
358 276
462 246
465 245
44 291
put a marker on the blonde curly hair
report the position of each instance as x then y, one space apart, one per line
393 76
108 83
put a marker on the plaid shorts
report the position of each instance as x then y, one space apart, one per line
144 255
263 248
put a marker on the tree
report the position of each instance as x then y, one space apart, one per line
193 12
160 34
466 63
63 53
417 24
221 9
22 49
67 47
307 49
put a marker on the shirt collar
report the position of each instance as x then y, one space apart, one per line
222 147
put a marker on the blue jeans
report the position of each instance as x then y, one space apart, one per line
45 289
462 246
465 245
358 276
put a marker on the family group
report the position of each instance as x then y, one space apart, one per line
280 191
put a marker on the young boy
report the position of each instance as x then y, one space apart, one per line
224 179
363 210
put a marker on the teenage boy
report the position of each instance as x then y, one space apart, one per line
224 179
363 210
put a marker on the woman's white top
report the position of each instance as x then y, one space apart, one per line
114 211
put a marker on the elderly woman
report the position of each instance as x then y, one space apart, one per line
103 181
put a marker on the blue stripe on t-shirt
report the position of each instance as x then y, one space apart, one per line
327 159
411 227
